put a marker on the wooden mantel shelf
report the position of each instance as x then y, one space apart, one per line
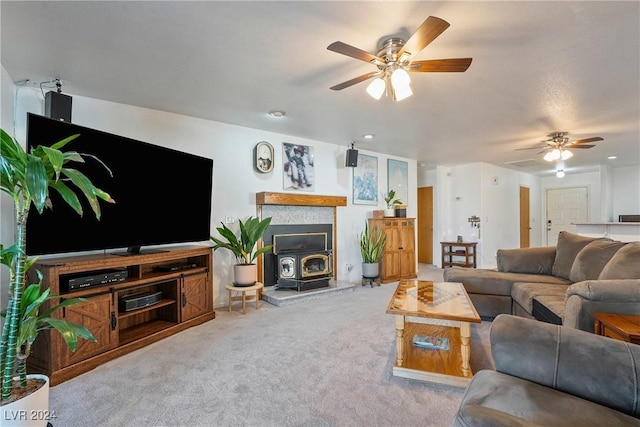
288 199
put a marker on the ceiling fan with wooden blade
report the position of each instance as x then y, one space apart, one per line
395 54
556 147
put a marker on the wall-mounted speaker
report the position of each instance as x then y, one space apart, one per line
57 106
352 158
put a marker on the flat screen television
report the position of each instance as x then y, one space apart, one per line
162 196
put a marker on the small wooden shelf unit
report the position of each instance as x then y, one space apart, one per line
459 254
187 300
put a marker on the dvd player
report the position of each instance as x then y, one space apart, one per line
104 277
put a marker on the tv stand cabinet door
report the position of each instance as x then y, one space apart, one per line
195 299
95 315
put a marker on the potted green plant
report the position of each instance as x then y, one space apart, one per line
390 201
372 243
243 247
28 178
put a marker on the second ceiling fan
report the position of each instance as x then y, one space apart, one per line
556 147
394 63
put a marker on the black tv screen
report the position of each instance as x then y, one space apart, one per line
162 196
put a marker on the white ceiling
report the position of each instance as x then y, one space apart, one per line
538 67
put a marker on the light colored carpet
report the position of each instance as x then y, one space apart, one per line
324 362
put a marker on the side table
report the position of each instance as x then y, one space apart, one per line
618 326
242 290
460 254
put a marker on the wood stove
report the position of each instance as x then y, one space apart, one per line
301 259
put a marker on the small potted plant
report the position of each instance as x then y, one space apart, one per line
27 179
372 243
243 247
391 202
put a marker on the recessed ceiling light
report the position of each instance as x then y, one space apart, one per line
612 157
368 136
277 113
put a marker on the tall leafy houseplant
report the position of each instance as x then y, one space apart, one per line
243 246
372 242
28 178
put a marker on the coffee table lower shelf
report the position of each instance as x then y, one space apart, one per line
423 364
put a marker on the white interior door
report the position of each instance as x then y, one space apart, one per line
565 207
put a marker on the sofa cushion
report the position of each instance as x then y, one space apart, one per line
567 249
491 282
624 264
592 258
527 260
524 293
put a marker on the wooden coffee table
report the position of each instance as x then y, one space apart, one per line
437 310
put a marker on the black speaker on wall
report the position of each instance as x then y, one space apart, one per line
57 106
352 158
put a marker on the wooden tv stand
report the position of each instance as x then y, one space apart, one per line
183 275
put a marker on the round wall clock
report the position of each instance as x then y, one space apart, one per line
264 157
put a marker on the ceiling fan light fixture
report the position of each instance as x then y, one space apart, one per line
400 79
376 88
402 93
548 157
566 154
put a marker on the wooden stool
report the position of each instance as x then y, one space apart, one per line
244 297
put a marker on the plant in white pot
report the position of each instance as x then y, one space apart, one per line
372 242
27 178
243 247
391 201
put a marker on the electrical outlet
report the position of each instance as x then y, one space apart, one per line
349 268
229 219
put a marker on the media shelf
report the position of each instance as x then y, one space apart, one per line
180 280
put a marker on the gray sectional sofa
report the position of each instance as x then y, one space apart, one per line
548 375
563 284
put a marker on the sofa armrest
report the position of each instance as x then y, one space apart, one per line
527 260
618 290
596 368
599 296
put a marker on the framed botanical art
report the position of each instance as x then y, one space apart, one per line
398 179
298 167
365 181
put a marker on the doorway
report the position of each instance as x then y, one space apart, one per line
425 225
525 220
565 208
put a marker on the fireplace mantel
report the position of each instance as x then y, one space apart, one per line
289 199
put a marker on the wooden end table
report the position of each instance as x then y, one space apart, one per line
621 327
438 310
242 290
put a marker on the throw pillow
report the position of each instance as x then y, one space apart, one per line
625 264
567 249
592 258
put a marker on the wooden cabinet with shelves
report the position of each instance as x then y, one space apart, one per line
459 254
179 278
399 260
